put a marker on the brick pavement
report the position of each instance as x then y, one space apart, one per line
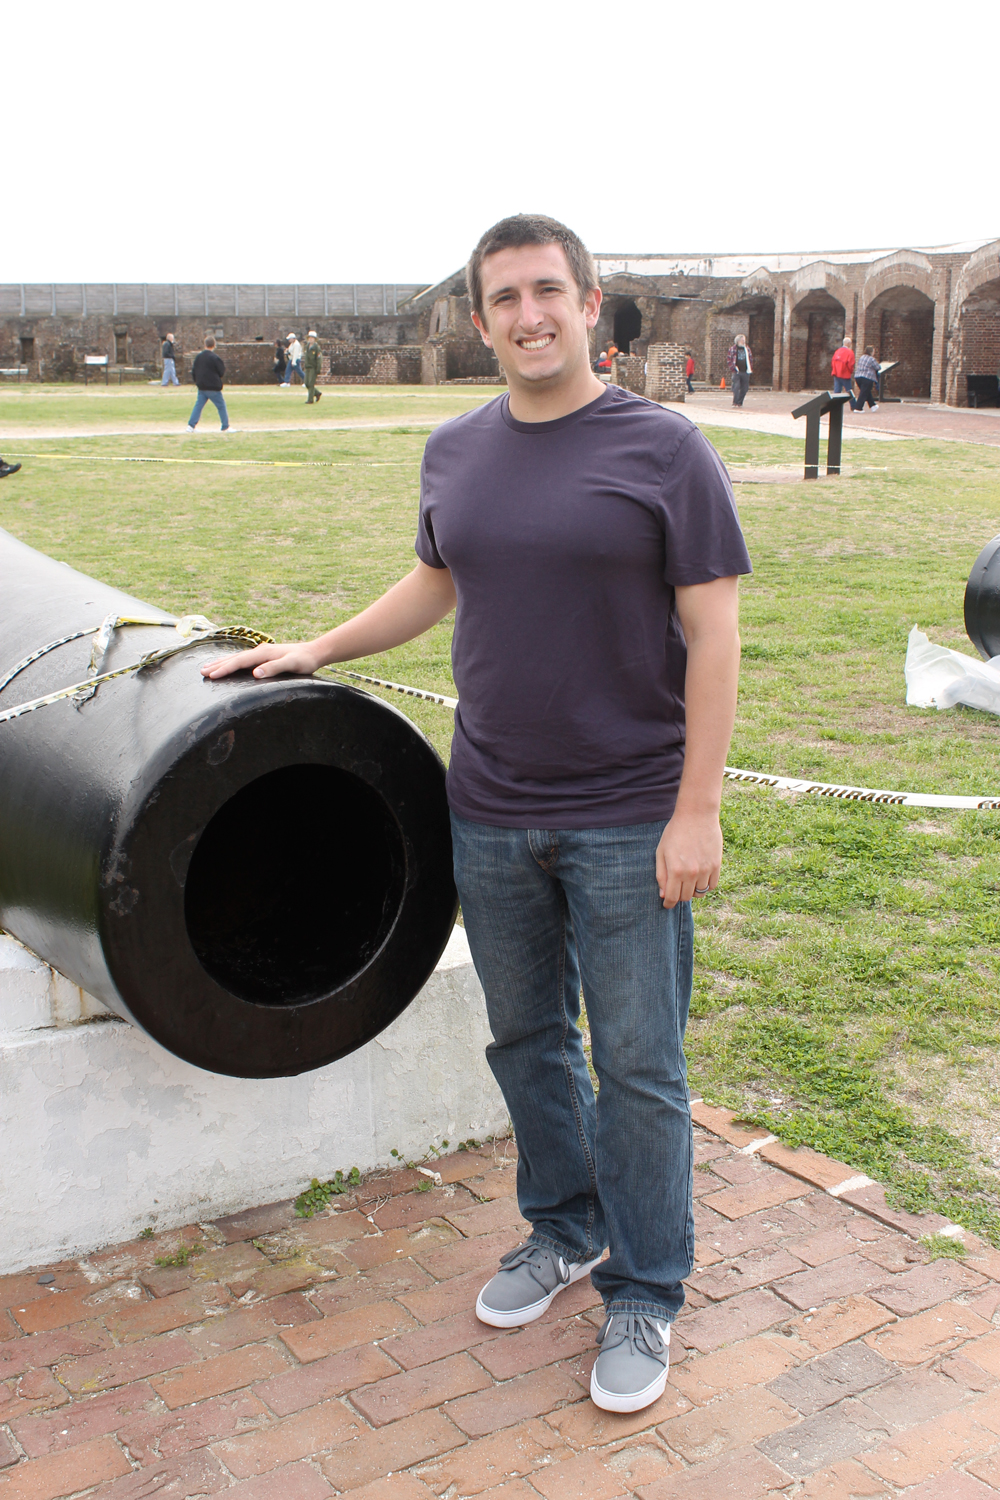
911 419
821 1353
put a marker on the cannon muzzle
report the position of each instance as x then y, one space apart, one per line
258 874
982 601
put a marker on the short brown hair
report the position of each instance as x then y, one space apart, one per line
869 348
530 229
209 341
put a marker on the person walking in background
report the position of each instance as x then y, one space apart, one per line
208 372
280 359
294 360
689 372
168 355
740 362
311 363
842 369
866 376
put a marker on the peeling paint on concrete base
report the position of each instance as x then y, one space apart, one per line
105 1132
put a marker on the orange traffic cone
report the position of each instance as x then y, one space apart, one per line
722 383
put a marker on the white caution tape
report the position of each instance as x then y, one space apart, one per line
760 778
860 793
397 687
197 628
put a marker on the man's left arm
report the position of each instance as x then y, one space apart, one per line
689 855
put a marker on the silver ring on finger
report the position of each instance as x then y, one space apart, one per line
702 890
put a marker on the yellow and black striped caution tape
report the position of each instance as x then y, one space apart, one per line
192 629
106 627
228 463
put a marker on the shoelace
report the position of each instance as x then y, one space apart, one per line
534 1258
638 1330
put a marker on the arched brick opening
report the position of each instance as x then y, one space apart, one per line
979 332
627 324
754 318
900 323
817 329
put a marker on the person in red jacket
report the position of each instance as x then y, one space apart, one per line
689 371
842 368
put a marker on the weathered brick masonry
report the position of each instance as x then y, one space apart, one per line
50 329
665 372
935 311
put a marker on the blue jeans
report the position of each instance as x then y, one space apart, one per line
286 379
843 383
199 406
169 373
546 912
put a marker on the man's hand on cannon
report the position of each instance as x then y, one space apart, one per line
405 611
298 658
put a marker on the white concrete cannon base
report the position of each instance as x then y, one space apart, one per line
104 1132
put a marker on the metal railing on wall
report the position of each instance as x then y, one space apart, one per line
204 299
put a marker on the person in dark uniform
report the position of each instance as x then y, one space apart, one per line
311 360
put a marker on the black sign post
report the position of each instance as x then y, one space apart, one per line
812 411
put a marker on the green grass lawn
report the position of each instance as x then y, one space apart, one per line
846 990
114 408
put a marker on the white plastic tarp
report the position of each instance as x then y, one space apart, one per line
940 678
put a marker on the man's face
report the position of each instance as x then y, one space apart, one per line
532 317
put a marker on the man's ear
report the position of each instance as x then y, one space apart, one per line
592 306
482 330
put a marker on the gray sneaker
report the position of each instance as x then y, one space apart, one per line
631 1369
528 1279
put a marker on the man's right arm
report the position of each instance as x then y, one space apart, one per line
406 610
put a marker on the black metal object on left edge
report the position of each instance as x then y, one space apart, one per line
982 601
812 411
257 874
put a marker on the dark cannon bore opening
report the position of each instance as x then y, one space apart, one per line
294 885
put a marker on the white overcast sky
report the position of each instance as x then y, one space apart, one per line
323 142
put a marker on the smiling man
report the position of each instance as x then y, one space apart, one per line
590 542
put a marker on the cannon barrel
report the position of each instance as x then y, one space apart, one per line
258 874
982 601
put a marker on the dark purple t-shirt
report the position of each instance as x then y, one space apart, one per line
565 540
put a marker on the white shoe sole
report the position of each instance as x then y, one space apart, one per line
633 1401
521 1315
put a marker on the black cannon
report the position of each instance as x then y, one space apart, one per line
982 601
258 874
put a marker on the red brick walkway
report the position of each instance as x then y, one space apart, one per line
905 419
822 1353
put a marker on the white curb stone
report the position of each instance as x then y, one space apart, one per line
105 1132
